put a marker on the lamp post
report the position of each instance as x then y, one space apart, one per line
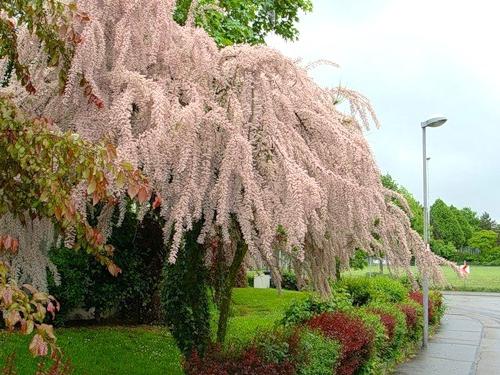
431 123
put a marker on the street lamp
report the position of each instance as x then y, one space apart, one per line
431 123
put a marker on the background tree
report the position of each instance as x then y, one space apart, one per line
416 209
244 21
471 217
486 222
485 240
446 225
463 223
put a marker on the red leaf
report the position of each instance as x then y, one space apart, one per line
143 194
114 269
132 190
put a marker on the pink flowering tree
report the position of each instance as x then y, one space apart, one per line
240 139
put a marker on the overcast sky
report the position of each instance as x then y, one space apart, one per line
414 59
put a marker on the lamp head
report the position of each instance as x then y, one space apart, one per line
434 122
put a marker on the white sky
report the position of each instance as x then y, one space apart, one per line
414 59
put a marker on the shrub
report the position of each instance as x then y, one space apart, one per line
321 354
413 319
232 362
363 290
394 322
277 345
418 297
301 311
359 260
134 295
289 281
437 301
356 339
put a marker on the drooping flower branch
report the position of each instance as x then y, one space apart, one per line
240 133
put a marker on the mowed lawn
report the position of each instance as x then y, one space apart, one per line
145 349
481 278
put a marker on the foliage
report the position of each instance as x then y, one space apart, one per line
249 361
446 225
463 222
198 121
289 280
356 339
134 296
230 22
413 317
359 260
41 166
26 308
444 249
471 217
394 322
321 353
433 310
50 22
486 222
301 311
363 290
185 298
416 209
484 240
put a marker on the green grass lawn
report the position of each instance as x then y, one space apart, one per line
146 350
481 278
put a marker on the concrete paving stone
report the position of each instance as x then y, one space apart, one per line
456 352
490 344
469 337
489 357
492 333
483 369
432 365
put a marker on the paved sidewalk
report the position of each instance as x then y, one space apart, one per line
468 341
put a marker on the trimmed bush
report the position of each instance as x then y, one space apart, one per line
394 322
249 361
418 297
413 318
300 312
321 354
356 339
363 290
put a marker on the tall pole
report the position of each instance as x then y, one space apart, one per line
425 276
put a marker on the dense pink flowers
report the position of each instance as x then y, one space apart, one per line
240 132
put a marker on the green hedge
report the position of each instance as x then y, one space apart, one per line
378 308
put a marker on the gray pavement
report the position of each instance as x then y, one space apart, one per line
468 341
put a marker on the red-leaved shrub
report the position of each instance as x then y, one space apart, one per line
249 362
388 321
410 315
418 297
356 339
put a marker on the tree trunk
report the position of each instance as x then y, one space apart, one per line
337 269
227 289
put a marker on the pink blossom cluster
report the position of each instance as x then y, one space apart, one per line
238 132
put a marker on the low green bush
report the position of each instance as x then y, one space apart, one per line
301 311
322 354
394 322
364 290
